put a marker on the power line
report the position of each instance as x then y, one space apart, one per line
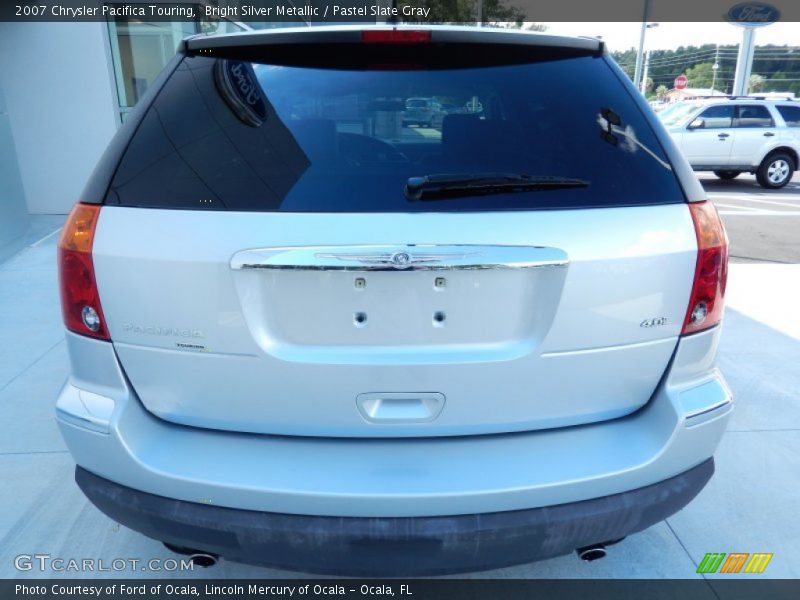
694 54
765 53
686 54
684 60
697 60
699 57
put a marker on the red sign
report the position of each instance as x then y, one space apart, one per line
680 82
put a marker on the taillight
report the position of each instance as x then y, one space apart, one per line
395 36
711 273
80 302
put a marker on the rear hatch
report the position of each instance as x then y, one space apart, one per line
263 266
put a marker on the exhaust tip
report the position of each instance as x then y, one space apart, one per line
591 553
197 557
203 560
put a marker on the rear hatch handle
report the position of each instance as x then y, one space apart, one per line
403 257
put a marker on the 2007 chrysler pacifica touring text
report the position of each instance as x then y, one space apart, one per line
305 336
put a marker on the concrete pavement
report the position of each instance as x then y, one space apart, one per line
763 225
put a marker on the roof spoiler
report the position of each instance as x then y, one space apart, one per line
353 35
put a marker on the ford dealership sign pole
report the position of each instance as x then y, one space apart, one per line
748 16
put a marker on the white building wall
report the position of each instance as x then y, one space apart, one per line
61 106
13 212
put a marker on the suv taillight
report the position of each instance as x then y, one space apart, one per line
80 302
711 273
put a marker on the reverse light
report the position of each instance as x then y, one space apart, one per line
90 318
395 36
80 301
707 300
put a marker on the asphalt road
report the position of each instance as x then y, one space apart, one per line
763 225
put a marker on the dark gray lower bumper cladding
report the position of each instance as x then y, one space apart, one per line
393 546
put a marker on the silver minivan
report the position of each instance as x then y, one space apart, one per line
304 336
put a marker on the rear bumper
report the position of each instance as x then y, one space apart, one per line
109 433
394 546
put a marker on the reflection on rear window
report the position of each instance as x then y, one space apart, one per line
232 135
790 114
677 113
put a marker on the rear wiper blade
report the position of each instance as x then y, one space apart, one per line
457 185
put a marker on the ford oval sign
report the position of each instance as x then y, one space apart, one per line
753 14
238 85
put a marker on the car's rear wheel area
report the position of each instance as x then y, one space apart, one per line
775 171
727 175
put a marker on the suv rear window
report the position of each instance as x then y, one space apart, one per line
790 114
231 134
753 116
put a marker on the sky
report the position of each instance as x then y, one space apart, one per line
668 36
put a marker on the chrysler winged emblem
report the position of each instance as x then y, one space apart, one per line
396 260
400 259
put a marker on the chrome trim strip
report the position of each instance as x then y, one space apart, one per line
399 257
709 409
97 426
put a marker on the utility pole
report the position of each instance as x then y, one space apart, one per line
715 68
479 11
643 87
637 73
744 62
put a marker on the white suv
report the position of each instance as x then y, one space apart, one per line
732 135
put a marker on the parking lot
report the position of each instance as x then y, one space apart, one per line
749 506
762 224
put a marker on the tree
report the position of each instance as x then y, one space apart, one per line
700 76
776 83
661 92
535 27
514 25
648 84
757 83
778 64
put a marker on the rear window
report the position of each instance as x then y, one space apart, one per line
754 116
675 114
232 134
790 114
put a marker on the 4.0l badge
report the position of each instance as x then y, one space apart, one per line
654 322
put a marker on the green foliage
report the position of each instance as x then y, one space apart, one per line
778 65
535 27
700 76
